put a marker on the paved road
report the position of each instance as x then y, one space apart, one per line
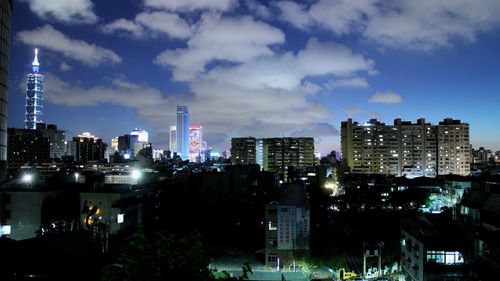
272 275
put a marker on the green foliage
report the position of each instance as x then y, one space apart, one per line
136 267
170 257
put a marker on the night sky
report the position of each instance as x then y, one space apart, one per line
255 68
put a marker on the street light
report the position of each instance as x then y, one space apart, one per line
27 178
136 174
77 175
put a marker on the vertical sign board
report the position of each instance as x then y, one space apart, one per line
286 227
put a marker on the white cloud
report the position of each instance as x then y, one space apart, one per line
220 38
428 24
418 25
389 97
246 112
340 16
63 66
69 12
354 82
257 89
168 23
257 9
294 14
191 5
287 71
126 27
47 37
147 24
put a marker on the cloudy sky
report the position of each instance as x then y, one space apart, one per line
260 68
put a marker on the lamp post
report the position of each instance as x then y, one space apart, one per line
136 175
27 178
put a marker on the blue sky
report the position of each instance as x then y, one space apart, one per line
259 68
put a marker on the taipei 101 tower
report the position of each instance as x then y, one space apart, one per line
34 91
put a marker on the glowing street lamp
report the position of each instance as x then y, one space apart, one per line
77 175
136 174
27 178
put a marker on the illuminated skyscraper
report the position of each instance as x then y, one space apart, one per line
114 143
182 137
34 91
143 135
195 142
6 9
173 139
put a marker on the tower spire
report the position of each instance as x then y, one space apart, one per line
36 64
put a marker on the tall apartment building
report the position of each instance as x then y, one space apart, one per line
404 148
453 147
273 154
87 147
281 153
243 150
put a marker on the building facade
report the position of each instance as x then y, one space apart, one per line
243 151
5 21
182 137
173 139
34 95
27 147
126 145
142 135
195 143
274 154
88 147
402 149
57 139
429 251
287 227
281 153
453 147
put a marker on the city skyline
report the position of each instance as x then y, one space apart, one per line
108 71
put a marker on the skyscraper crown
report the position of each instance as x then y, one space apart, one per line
36 64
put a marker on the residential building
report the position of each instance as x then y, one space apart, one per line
453 147
431 249
282 153
88 147
405 148
287 227
480 214
27 147
243 151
